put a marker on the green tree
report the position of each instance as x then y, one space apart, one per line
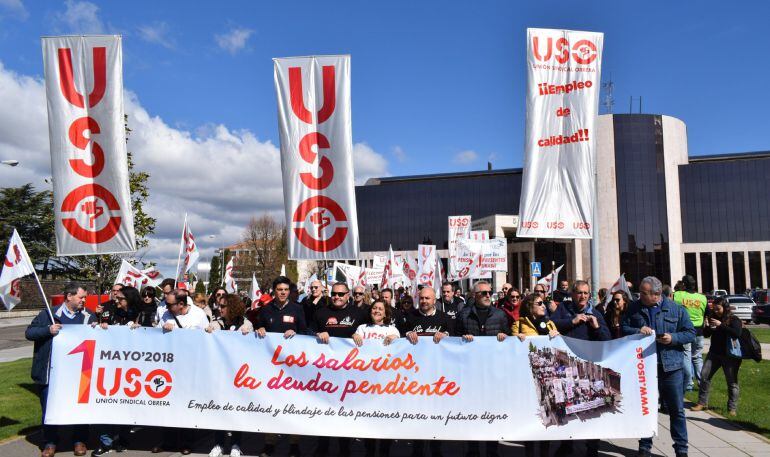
31 214
215 274
200 288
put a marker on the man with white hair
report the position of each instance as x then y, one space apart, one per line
314 301
654 314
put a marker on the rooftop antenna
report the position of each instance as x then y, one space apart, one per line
609 99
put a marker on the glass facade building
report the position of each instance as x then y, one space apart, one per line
708 216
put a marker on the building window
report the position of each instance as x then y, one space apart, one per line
706 273
723 272
755 269
739 273
690 265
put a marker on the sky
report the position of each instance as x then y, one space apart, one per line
437 87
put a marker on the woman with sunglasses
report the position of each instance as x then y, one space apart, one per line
534 320
616 309
215 299
511 306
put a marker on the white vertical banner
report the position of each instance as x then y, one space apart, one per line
459 227
564 78
84 91
427 274
480 271
231 286
188 251
317 156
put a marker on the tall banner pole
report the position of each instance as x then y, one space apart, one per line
45 300
595 243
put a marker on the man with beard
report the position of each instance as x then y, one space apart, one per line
340 319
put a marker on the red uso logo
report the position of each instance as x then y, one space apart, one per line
89 199
156 384
583 52
319 210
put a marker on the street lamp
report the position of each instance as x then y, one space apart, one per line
10 163
222 262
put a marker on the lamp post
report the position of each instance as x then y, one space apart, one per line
222 262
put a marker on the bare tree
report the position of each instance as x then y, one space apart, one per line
265 241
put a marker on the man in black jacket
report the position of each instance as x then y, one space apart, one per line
42 331
314 301
482 319
341 320
449 303
286 317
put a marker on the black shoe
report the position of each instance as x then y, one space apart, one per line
103 450
643 454
119 446
681 454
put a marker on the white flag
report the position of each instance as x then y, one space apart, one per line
84 91
230 285
188 251
563 83
427 268
256 292
156 277
16 265
620 285
129 275
549 280
317 156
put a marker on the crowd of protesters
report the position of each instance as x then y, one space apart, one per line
386 315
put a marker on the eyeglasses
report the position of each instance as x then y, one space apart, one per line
617 300
314 287
339 294
358 293
540 292
484 293
539 303
220 294
515 297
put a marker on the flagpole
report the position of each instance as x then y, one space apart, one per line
179 256
47 306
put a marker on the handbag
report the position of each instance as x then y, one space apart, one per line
750 347
734 348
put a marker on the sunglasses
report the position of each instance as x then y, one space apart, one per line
484 293
220 294
358 293
539 303
339 294
314 287
617 300
540 292
515 297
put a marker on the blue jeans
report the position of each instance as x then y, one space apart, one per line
671 390
693 362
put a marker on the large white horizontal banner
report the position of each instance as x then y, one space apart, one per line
84 91
539 389
563 82
317 156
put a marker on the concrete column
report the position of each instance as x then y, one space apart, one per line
763 267
675 154
731 289
714 275
697 271
746 272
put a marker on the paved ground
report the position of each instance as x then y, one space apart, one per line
709 436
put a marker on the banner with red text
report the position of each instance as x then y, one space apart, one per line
564 78
569 389
84 90
459 227
317 156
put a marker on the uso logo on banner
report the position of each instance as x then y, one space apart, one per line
130 383
316 154
88 158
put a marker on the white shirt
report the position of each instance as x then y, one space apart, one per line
195 318
378 332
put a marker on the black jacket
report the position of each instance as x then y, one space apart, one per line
468 322
451 309
721 335
279 320
310 308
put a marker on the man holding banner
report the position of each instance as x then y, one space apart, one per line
42 331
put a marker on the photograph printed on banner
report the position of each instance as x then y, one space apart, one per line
568 387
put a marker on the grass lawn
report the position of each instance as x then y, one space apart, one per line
19 405
762 334
754 402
